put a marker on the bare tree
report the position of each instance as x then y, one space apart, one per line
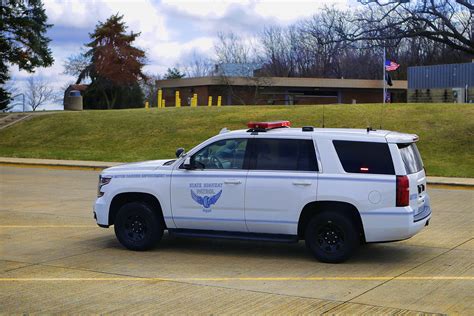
329 45
232 48
150 88
446 22
38 92
199 65
76 64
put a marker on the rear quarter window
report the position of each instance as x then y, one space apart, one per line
364 157
411 158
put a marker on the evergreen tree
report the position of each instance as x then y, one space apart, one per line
23 40
115 66
173 73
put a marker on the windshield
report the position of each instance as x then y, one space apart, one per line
411 158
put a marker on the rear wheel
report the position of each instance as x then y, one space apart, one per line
137 226
331 237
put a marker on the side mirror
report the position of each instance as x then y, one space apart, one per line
179 152
187 164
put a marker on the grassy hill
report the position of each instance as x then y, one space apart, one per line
446 131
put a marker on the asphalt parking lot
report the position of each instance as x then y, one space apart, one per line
53 258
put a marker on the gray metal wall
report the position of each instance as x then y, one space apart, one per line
441 76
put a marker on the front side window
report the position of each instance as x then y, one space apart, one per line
223 154
364 157
285 154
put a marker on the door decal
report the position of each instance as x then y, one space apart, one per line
205 194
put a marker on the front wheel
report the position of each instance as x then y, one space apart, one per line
331 237
137 226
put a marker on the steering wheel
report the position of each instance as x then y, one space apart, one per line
214 160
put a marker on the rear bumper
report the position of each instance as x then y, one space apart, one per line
393 224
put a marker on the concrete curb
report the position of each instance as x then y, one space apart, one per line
100 165
60 164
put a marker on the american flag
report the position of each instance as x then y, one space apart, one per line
391 65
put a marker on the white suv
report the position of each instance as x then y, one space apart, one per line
334 188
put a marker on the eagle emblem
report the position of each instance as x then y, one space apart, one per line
206 201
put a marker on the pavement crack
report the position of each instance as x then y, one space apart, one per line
399 275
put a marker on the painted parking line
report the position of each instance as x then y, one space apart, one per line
224 279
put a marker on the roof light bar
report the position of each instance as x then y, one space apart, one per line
268 125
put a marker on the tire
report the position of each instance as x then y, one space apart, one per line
331 237
137 226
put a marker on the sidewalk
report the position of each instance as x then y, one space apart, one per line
99 165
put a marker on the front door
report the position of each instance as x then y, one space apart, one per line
211 196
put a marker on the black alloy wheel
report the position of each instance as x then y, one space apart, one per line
332 237
137 226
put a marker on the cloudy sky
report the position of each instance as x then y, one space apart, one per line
171 30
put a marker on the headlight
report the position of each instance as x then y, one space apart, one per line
102 181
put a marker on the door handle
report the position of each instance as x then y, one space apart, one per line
301 183
232 181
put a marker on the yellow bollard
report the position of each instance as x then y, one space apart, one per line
209 101
219 100
177 100
147 105
160 97
195 98
163 103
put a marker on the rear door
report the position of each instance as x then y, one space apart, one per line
282 179
419 199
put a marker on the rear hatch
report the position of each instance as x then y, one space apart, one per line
419 199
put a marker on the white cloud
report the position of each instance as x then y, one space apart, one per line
290 11
167 54
202 8
76 13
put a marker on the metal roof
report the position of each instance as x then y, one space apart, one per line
441 76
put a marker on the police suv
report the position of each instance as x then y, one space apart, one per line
334 188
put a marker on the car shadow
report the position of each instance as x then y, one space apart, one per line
367 253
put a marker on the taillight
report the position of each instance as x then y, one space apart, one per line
403 191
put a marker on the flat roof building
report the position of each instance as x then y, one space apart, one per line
279 90
451 83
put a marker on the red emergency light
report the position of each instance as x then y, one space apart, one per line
268 125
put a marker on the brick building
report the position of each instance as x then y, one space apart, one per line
279 90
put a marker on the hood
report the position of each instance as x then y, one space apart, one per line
142 165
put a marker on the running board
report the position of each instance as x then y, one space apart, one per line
233 235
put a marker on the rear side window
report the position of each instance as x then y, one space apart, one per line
411 157
284 154
364 157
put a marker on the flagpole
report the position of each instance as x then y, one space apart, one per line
384 80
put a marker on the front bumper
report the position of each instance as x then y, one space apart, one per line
101 214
